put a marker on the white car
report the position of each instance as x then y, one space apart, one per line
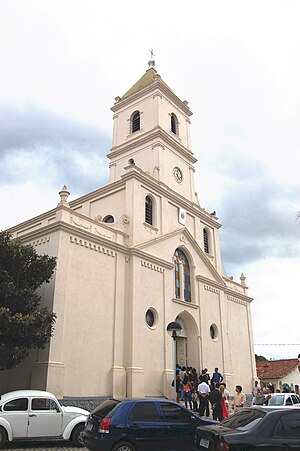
35 414
284 399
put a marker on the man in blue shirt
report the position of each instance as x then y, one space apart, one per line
217 377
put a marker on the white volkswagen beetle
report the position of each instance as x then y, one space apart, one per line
35 414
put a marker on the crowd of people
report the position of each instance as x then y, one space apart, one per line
201 393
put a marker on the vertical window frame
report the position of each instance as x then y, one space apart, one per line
174 124
135 122
206 246
182 277
149 210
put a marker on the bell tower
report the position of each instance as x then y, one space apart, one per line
152 131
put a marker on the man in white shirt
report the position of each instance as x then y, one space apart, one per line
203 391
239 399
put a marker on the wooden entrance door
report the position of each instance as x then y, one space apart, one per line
181 351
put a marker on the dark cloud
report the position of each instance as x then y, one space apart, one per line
35 143
257 211
258 219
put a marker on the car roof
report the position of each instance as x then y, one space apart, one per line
25 393
146 400
285 395
272 408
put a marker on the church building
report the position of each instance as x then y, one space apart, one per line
132 257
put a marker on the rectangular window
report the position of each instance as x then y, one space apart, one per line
175 414
16 405
144 412
43 404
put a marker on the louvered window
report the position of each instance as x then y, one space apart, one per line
136 122
148 210
173 124
205 241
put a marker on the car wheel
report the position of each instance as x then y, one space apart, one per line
3 436
77 435
123 446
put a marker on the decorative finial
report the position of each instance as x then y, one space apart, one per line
151 62
64 194
242 279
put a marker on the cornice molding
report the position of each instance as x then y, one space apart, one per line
92 246
151 258
211 289
76 232
40 241
237 296
158 87
152 266
218 285
157 133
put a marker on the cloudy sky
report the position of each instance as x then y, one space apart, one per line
237 63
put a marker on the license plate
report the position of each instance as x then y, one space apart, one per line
89 427
204 443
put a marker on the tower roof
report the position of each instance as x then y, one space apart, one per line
150 77
146 80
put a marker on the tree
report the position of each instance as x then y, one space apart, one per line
24 324
260 358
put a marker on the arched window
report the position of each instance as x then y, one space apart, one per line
174 124
205 241
135 122
108 219
182 277
148 210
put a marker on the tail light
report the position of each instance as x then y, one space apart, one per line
225 446
104 425
222 446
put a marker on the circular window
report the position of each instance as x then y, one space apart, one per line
109 219
151 317
213 330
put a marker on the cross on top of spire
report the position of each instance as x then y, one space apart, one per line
151 62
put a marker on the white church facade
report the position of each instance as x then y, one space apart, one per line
133 256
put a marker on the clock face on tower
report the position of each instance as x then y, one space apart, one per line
177 174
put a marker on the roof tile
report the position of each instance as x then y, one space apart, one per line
274 369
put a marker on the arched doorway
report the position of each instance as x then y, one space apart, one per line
187 352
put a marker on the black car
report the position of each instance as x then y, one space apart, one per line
141 425
254 428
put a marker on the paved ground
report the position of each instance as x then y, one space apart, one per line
64 445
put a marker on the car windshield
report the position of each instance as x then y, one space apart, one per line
105 407
277 400
243 420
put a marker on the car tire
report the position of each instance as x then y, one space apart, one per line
123 446
77 435
3 436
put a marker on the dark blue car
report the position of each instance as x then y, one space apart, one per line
141 425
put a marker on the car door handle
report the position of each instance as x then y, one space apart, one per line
134 426
32 415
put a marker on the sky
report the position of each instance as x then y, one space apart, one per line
236 62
